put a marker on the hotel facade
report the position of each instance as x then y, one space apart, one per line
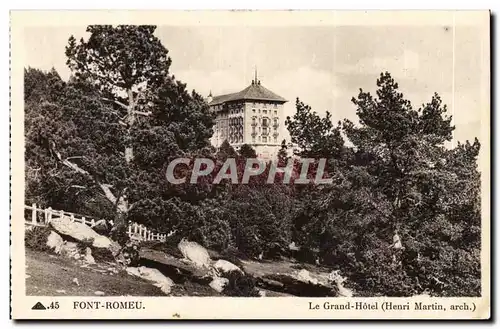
252 116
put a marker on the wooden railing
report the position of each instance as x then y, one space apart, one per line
35 216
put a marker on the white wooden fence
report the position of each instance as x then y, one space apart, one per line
41 217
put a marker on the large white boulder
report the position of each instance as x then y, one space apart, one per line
224 266
153 275
55 242
82 232
195 253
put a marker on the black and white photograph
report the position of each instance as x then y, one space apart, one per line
340 163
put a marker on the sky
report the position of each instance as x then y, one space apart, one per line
325 66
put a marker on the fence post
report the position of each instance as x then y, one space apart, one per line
129 231
33 213
72 217
92 222
49 218
61 214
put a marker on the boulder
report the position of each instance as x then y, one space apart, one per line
224 266
70 250
55 242
304 276
173 267
88 258
283 277
81 232
194 253
153 275
218 284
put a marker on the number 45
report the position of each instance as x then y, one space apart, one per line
54 305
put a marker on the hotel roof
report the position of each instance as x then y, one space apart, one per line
253 92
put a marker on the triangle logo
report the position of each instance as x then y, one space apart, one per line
38 306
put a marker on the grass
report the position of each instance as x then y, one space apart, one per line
50 274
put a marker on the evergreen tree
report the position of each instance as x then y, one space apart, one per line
247 151
111 130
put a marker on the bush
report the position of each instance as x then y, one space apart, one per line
240 285
102 255
261 222
83 245
119 234
36 238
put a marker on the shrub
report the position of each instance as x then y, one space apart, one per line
240 285
36 238
83 245
119 234
102 255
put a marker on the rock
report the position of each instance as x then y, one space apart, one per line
81 232
282 277
55 242
195 253
70 250
293 246
75 281
101 227
335 277
153 275
99 293
262 293
173 267
218 284
89 259
224 266
304 276
61 291
27 276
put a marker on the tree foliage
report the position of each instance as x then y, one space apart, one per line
99 144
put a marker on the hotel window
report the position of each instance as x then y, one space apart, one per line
259 110
259 138
253 110
265 105
253 139
265 111
275 140
264 139
275 106
275 112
